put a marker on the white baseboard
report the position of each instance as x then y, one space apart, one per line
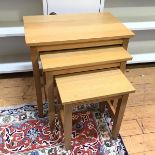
15 67
141 25
142 58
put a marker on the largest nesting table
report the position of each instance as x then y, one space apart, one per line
60 32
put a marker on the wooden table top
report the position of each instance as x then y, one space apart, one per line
95 85
61 29
83 58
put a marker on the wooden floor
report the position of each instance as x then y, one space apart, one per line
138 128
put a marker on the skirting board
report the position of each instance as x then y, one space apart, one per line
12 31
141 25
15 67
27 66
142 58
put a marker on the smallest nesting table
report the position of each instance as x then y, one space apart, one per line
92 87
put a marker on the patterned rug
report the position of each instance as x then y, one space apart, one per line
22 132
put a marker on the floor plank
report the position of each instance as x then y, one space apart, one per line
18 91
145 153
140 143
147 124
139 112
130 128
6 102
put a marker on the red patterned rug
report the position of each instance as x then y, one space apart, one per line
22 132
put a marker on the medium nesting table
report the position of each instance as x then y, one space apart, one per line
60 32
79 61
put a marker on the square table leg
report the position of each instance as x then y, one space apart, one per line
125 46
50 98
36 75
120 109
102 106
68 125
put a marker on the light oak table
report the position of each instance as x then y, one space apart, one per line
51 33
80 60
92 87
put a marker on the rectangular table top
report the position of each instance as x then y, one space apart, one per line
70 28
92 86
83 57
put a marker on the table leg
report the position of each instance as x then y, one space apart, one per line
125 46
50 98
36 75
102 106
123 67
68 125
115 101
125 43
121 105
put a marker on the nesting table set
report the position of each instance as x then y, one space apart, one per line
82 59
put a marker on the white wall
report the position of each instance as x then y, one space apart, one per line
132 10
14 49
142 42
72 6
13 10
